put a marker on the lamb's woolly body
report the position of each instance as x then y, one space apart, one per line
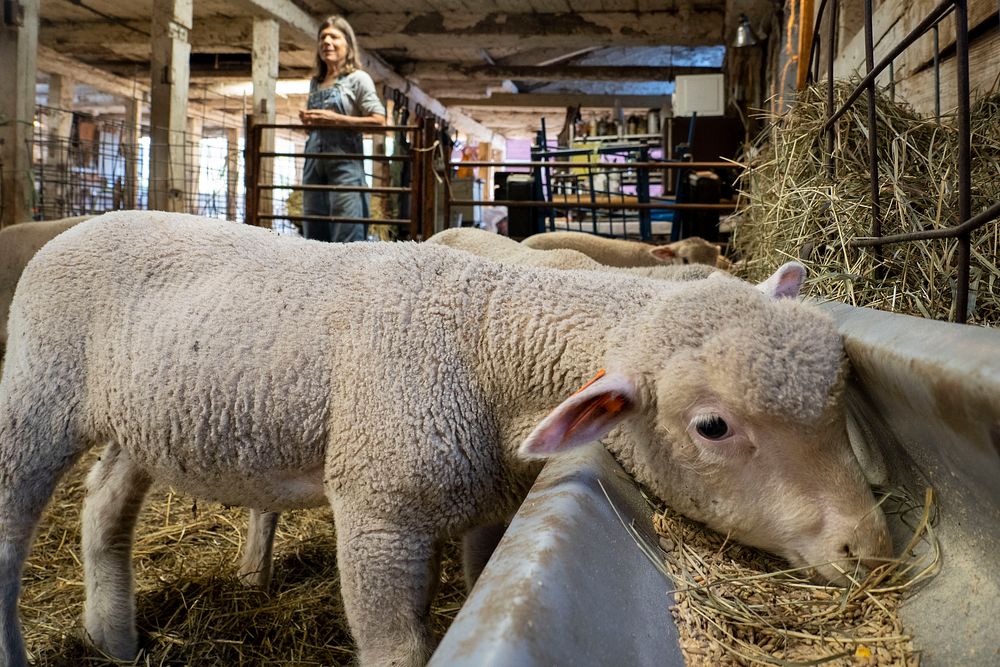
18 244
507 251
394 381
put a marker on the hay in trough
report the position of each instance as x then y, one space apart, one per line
739 606
794 210
192 610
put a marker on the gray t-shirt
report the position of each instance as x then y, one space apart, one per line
353 95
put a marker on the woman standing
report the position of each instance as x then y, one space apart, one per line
343 94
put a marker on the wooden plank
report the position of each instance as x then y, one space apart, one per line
918 90
694 27
922 52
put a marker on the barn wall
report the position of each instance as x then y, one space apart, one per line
914 70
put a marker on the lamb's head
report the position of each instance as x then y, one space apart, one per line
692 250
739 423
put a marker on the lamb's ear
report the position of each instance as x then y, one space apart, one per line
785 282
582 418
663 253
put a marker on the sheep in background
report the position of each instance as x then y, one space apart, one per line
19 243
621 253
415 389
503 249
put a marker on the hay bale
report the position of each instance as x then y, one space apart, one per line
192 610
794 210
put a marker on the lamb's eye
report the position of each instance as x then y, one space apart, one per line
685 260
713 428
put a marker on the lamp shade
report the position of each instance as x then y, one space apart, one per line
744 34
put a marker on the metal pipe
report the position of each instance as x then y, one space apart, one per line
814 47
335 188
964 156
937 76
402 222
599 205
341 156
934 17
830 167
872 128
671 164
966 227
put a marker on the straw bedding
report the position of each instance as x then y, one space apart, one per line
794 210
191 608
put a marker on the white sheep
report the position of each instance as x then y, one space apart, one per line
508 251
256 564
622 253
414 389
18 244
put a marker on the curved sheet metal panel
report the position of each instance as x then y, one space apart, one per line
569 584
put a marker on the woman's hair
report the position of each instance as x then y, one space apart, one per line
351 63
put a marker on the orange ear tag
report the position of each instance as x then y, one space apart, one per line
601 373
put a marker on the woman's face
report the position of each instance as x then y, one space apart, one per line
332 48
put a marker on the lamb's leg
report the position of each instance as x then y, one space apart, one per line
387 579
116 488
36 448
257 563
477 547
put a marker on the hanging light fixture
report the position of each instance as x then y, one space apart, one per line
744 34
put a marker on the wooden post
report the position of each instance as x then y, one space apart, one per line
133 132
54 188
195 125
18 53
232 170
169 77
429 129
265 76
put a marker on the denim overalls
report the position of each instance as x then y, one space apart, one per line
320 171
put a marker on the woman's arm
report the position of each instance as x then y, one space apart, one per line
327 116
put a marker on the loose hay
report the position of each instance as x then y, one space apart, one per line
739 606
793 210
191 608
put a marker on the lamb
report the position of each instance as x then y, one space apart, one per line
621 253
416 389
505 250
20 242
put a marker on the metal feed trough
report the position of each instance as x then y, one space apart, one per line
569 583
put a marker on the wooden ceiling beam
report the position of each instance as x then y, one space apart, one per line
441 70
687 26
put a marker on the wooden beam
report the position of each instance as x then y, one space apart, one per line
54 62
443 70
18 53
689 26
561 101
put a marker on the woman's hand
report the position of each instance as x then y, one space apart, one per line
313 116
